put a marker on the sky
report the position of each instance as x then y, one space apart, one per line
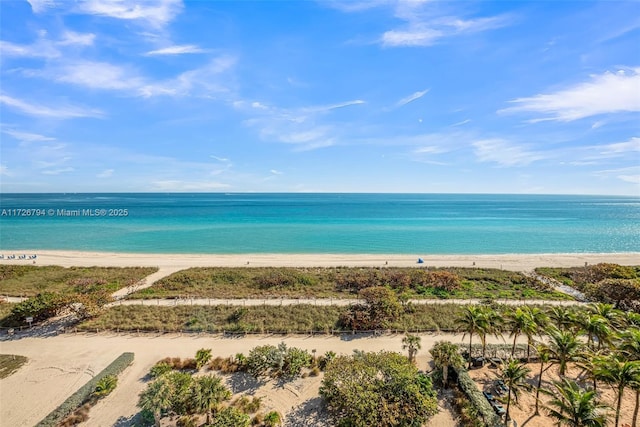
320 96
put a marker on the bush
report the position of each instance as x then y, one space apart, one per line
160 369
272 419
81 396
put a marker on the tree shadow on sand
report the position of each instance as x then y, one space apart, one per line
311 413
242 382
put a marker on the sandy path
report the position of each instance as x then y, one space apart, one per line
59 365
146 282
516 262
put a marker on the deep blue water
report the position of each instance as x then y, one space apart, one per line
321 223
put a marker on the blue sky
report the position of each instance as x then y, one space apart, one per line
336 96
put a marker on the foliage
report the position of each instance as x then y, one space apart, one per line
81 396
105 386
230 417
40 307
381 307
344 282
30 280
10 363
203 356
381 389
411 343
280 361
286 319
272 419
573 406
446 355
160 369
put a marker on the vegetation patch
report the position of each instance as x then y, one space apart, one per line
10 363
477 400
259 319
608 283
30 280
84 394
346 282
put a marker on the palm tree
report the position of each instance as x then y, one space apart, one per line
543 354
573 406
411 343
519 322
563 347
597 329
630 348
540 320
446 354
514 375
608 311
203 356
156 398
473 321
561 317
493 325
619 373
207 393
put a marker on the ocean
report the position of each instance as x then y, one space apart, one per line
320 223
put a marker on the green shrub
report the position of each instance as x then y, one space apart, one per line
81 396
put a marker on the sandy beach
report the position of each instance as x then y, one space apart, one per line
515 262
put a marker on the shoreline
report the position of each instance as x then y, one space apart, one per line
515 262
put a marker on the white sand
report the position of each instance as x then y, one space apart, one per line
516 262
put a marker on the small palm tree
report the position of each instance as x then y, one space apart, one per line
411 343
105 386
203 356
539 322
446 354
630 348
514 374
562 317
597 329
619 373
563 347
472 322
493 325
519 322
572 406
156 398
207 392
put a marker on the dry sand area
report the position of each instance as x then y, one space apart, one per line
173 262
59 365
522 412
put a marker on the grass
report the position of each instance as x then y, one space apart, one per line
10 363
30 280
5 313
226 283
290 319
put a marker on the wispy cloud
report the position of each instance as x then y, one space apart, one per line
45 47
4 171
505 153
630 146
156 14
107 173
176 50
58 112
604 94
27 137
57 171
414 96
628 174
276 172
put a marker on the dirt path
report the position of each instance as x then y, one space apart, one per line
146 282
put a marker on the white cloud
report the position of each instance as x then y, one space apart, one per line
634 179
39 6
414 96
73 38
632 145
176 50
57 171
603 94
107 173
4 171
504 153
275 172
220 159
57 112
156 14
40 49
416 36
628 174
98 75
27 137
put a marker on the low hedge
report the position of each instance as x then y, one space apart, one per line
83 394
477 399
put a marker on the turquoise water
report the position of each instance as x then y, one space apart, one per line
320 223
